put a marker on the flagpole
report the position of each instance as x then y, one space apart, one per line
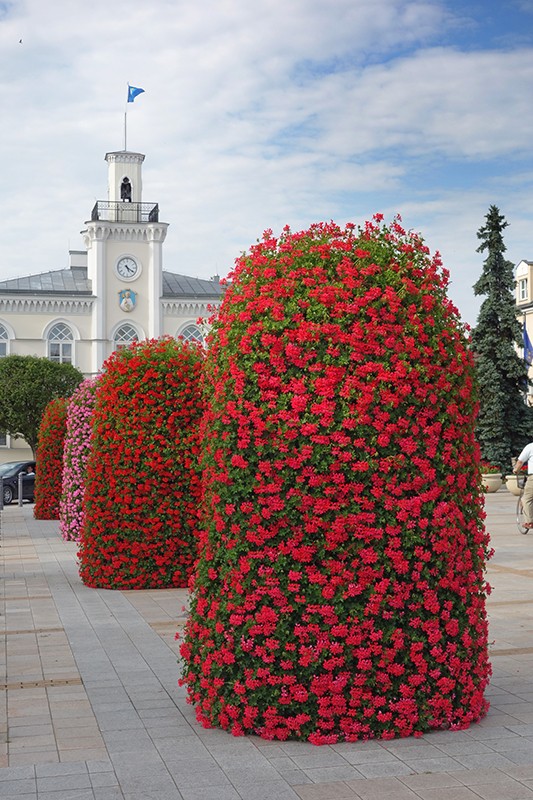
126 118
133 91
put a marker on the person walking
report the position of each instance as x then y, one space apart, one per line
526 457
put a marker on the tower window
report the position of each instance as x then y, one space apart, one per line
60 341
522 289
125 190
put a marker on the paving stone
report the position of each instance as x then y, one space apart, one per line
17 773
67 794
56 783
382 770
51 770
380 788
295 777
17 788
103 779
444 764
321 758
450 793
433 780
328 774
209 776
108 793
210 793
270 790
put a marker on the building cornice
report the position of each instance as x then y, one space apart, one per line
181 308
124 231
124 157
46 305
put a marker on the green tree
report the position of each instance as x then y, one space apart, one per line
504 421
27 384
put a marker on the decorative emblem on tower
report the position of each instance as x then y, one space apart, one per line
127 299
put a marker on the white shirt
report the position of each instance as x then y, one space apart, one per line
527 455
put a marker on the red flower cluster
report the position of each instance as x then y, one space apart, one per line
142 483
49 464
340 590
489 469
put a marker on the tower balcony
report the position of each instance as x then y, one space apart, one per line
113 211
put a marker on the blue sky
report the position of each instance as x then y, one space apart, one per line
256 115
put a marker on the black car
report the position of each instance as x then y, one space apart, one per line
10 475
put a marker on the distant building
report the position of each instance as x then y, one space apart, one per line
524 304
113 293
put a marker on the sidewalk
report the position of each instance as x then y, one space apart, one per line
91 709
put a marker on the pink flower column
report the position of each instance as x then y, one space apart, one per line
75 456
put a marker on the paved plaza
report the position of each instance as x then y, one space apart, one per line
91 709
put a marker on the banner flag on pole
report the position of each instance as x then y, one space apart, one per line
528 347
133 91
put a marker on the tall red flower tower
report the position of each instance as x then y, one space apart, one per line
340 592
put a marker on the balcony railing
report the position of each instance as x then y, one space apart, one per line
112 211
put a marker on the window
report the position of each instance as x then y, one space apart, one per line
191 333
522 289
60 340
3 439
4 339
124 336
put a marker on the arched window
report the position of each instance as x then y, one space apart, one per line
191 333
4 339
60 341
125 335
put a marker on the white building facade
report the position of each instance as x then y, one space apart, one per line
524 306
114 291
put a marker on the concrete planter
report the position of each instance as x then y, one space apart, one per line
512 484
491 482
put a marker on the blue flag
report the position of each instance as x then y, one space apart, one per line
528 347
133 91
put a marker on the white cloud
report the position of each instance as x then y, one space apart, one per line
256 115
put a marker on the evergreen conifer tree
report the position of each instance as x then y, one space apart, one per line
504 422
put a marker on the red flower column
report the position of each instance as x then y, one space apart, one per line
49 463
142 487
340 592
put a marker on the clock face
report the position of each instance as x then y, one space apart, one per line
127 268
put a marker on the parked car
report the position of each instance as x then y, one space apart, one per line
10 475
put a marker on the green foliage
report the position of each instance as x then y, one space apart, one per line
27 385
504 422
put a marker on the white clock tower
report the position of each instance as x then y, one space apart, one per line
124 241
